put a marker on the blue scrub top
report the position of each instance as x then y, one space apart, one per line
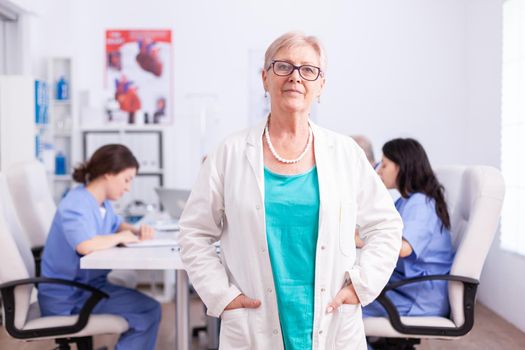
77 219
292 222
432 254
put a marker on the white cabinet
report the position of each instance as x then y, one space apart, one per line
146 143
147 148
17 120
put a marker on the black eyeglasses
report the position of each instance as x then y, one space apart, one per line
283 69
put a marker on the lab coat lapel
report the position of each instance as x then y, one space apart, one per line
323 150
254 153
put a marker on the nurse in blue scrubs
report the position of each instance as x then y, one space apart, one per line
426 247
86 222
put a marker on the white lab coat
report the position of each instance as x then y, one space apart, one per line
227 204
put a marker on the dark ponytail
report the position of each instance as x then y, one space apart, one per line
415 174
108 159
80 173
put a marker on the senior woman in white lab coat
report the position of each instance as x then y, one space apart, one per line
284 199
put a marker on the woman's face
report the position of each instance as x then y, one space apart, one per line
292 93
120 183
388 172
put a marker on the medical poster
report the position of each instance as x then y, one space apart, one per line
138 75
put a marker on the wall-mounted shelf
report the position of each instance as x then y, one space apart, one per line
61 133
66 177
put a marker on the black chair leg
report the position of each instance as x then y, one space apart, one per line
84 343
395 343
63 344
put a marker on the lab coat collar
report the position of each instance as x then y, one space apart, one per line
255 135
323 146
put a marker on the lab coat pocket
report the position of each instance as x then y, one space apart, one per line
347 215
350 333
234 330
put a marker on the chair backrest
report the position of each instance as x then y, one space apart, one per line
475 197
16 260
32 199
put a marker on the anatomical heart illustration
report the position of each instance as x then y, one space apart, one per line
148 57
139 74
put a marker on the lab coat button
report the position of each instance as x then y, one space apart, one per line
323 247
269 290
263 250
323 290
275 331
320 332
257 207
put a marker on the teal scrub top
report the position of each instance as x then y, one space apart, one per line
292 222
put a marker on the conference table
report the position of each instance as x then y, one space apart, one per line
150 258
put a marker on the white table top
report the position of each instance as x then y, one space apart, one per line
144 258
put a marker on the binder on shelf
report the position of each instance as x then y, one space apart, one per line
38 147
41 102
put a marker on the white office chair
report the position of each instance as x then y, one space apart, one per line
475 197
22 318
35 207
33 202
30 191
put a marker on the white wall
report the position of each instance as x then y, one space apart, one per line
395 68
14 42
425 69
502 283
17 110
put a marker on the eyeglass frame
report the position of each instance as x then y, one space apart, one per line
298 68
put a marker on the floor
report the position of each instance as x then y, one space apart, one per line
490 332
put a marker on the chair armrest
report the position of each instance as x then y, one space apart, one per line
37 257
8 296
469 296
37 251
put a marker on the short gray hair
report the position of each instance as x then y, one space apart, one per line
366 145
293 39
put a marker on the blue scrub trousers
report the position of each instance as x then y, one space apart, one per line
142 313
375 309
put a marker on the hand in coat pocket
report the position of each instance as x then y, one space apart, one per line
243 302
235 333
346 295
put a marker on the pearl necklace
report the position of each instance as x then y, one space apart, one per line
281 159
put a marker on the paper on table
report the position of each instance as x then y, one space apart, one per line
162 242
161 239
